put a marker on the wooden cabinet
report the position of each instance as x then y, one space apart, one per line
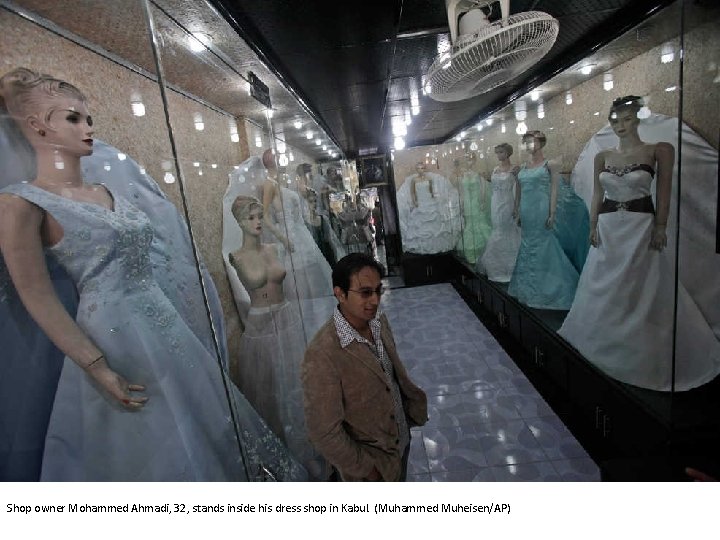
425 269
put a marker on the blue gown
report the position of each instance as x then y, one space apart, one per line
544 277
572 225
185 432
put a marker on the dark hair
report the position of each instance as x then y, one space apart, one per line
537 135
626 102
350 265
505 147
303 168
268 159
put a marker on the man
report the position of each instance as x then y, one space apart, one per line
359 400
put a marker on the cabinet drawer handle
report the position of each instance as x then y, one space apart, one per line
606 425
539 357
598 414
502 320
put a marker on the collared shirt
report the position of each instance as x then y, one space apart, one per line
347 334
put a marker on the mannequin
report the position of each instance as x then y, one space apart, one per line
429 213
267 367
475 201
622 318
126 325
284 219
355 223
498 260
543 278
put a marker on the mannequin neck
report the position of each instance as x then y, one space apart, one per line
536 158
251 242
630 142
55 168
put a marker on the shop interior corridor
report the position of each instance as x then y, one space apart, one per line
487 422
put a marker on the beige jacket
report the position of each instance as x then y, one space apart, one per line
349 408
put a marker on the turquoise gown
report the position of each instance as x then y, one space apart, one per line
544 277
572 225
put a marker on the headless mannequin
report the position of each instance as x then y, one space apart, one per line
505 166
271 198
419 177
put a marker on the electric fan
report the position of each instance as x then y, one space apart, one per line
484 54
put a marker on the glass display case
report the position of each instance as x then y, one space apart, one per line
590 204
181 223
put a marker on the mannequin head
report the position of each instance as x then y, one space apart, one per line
623 116
534 141
51 113
503 151
268 160
421 168
470 159
248 212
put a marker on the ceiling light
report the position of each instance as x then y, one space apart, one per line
587 69
479 127
196 163
535 95
473 146
291 156
568 98
596 113
324 146
671 88
521 128
138 108
297 124
318 142
668 54
608 82
198 41
502 128
198 119
169 178
214 165
283 161
399 143
121 156
234 137
572 121
309 135
258 141
489 122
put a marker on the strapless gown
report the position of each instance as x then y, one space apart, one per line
187 430
622 317
543 277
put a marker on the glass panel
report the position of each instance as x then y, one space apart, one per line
120 258
257 180
697 323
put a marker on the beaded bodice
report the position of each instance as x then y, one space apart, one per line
101 249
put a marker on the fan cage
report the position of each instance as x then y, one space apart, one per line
506 46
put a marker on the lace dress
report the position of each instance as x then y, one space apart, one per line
501 250
543 277
186 431
622 317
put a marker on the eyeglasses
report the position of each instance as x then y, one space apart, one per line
367 293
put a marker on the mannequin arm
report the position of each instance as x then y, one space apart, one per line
21 247
270 191
665 157
597 197
518 194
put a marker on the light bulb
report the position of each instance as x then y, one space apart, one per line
198 119
318 142
479 127
214 165
608 82
291 156
258 141
489 122
667 54
283 160
535 95
169 178
297 124
502 128
568 98
521 128
309 135
473 146
324 146
587 69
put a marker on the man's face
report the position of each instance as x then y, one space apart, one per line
359 310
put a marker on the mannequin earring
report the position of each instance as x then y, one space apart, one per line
59 163
41 132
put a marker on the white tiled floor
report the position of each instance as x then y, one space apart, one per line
487 422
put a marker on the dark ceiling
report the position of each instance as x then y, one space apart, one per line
355 64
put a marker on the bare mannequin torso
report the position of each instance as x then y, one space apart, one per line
262 274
